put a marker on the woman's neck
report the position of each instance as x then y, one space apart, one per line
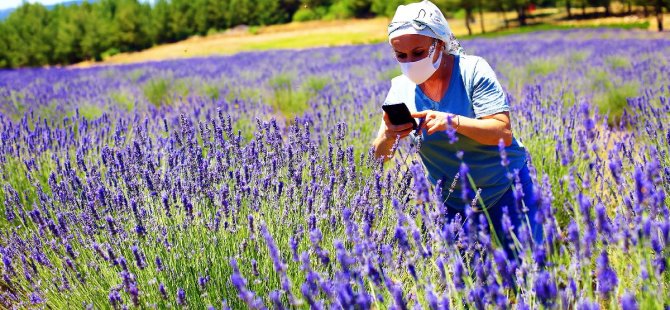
435 86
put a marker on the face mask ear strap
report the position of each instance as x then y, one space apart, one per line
433 47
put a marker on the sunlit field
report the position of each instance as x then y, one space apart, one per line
247 181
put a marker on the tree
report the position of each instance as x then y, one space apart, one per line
30 37
239 12
387 7
659 14
290 7
4 46
521 7
160 22
181 19
360 8
268 12
480 6
568 8
500 6
69 29
453 5
606 4
131 25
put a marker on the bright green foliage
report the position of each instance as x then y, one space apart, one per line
34 35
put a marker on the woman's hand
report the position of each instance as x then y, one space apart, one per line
392 131
387 135
435 121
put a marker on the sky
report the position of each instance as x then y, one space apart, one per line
6 4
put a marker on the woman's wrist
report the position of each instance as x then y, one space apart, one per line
386 137
454 121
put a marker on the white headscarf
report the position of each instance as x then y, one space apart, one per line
423 18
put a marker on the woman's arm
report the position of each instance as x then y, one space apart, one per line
487 130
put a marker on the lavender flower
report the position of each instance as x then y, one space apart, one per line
628 302
503 153
545 288
240 284
115 298
181 297
607 278
162 291
139 258
159 264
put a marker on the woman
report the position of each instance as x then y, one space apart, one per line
464 118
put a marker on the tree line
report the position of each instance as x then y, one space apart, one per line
33 35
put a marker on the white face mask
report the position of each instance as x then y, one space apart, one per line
419 71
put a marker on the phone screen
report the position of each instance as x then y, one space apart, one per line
399 114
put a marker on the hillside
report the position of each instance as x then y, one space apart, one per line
343 32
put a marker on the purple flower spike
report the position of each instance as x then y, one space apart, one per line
545 288
240 284
35 298
503 153
134 294
181 297
115 298
139 258
607 278
628 302
162 290
159 264
279 265
111 225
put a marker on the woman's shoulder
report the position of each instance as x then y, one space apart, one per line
472 63
475 69
402 90
402 81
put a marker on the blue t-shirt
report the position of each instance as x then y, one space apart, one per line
474 92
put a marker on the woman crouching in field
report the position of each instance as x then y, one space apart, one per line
464 119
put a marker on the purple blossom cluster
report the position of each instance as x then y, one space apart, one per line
214 198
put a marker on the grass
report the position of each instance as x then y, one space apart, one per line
611 96
164 91
548 27
244 94
615 100
122 99
618 62
211 91
288 100
292 35
579 56
542 67
309 40
88 111
157 91
315 84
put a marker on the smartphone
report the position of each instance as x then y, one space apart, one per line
399 114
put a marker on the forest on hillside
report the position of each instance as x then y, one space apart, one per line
34 35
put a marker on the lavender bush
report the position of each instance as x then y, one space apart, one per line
247 181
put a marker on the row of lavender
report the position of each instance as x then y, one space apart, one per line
221 201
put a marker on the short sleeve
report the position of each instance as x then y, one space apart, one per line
488 96
393 95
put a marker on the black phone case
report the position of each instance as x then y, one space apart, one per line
399 114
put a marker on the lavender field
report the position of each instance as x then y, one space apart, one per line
248 181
